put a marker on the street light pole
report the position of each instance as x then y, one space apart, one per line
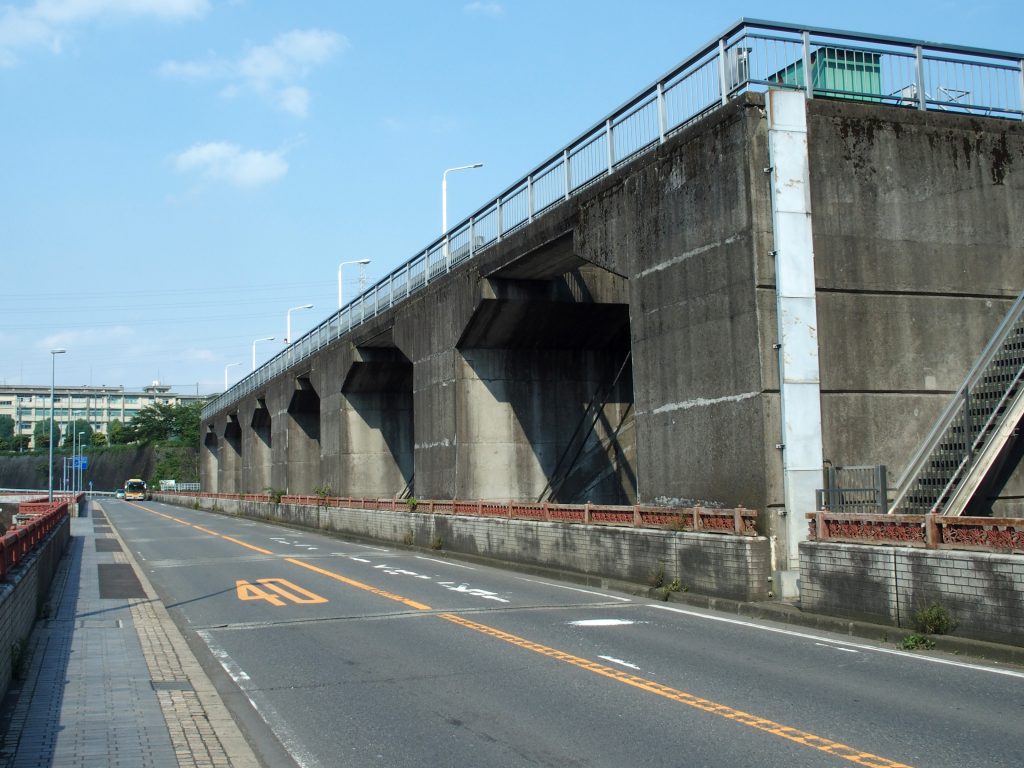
444 202
288 321
81 470
53 368
362 262
265 338
226 367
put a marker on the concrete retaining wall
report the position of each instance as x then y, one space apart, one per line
23 593
708 564
983 592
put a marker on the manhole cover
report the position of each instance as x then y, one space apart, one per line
118 581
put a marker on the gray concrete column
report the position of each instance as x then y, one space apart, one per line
257 477
209 457
230 466
302 447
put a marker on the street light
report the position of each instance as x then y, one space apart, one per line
288 322
81 470
444 204
362 262
444 192
53 368
265 338
229 365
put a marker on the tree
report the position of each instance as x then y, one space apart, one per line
80 425
98 439
6 428
162 422
41 434
116 433
20 442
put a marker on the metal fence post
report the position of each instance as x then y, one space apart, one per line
808 66
882 489
723 85
611 147
497 215
529 196
968 425
472 233
566 172
662 117
922 102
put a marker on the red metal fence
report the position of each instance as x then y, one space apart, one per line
1002 534
736 522
24 537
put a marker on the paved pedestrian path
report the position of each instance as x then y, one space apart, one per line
110 680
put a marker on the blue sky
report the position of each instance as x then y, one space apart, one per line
176 174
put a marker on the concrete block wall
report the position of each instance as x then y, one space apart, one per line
21 595
983 592
708 564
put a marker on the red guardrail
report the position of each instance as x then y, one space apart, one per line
22 539
1002 534
736 522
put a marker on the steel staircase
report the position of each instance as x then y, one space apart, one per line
974 431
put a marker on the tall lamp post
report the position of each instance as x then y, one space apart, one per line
288 321
265 338
53 368
78 461
444 201
361 262
226 367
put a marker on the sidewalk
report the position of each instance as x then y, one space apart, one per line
109 679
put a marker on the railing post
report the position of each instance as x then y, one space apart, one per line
529 196
497 209
931 530
723 84
922 102
1022 85
636 516
968 425
586 513
820 527
472 231
611 146
426 267
881 489
808 66
662 117
566 172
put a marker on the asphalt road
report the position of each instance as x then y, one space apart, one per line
347 654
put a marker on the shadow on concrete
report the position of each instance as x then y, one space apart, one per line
35 697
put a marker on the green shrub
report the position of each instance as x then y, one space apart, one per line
934 620
916 642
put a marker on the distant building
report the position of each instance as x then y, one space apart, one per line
28 404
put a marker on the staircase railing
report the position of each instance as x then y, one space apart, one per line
949 453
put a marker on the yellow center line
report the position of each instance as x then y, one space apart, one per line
706 705
361 585
739 716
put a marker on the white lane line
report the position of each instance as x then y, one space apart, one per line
576 589
265 710
844 643
446 562
836 648
620 662
603 623
367 546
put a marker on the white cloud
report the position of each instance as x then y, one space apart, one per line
46 23
484 7
231 163
274 71
83 337
295 100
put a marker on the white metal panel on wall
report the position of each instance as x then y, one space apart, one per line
796 306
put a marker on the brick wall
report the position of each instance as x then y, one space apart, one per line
21 595
736 567
984 592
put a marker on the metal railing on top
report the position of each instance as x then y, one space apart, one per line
752 55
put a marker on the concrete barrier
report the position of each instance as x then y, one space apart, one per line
735 567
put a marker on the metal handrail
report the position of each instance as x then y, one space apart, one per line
701 83
949 415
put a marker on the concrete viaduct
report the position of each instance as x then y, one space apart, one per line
783 282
